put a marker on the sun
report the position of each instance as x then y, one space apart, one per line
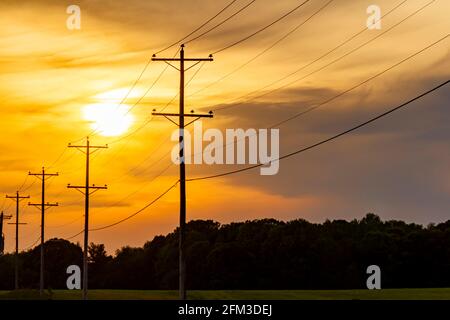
109 119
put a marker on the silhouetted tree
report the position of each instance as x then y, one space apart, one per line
259 254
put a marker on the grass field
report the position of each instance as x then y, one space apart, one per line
385 294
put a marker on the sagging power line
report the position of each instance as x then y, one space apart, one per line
278 41
263 94
334 137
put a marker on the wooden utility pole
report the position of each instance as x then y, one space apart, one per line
17 198
2 237
42 206
181 115
86 190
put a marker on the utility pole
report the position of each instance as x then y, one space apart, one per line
87 149
2 237
42 206
181 115
17 198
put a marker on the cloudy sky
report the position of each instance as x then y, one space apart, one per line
57 84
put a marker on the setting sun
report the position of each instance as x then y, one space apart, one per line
108 119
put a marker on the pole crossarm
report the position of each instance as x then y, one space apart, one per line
191 115
81 188
43 175
186 59
20 198
95 148
46 205
196 115
182 59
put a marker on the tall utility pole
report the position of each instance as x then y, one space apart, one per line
181 125
17 198
87 149
2 237
42 206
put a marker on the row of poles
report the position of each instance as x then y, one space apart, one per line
88 189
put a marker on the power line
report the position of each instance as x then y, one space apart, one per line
336 47
321 68
150 88
262 29
160 75
326 140
286 35
130 90
295 152
279 80
23 183
327 101
128 111
359 84
149 120
74 236
130 216
198 28
136 190
147 64
33 244
137 212
28 188
162 109
66 224
123 99
142 162
150 60
346 91
221 23
348 53
140 76
58 158
312 107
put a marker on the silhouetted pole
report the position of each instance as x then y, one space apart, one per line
17 198
2 238
42 206
181 125
86 191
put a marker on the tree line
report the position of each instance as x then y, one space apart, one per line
259 254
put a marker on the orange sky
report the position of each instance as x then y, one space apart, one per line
55 81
